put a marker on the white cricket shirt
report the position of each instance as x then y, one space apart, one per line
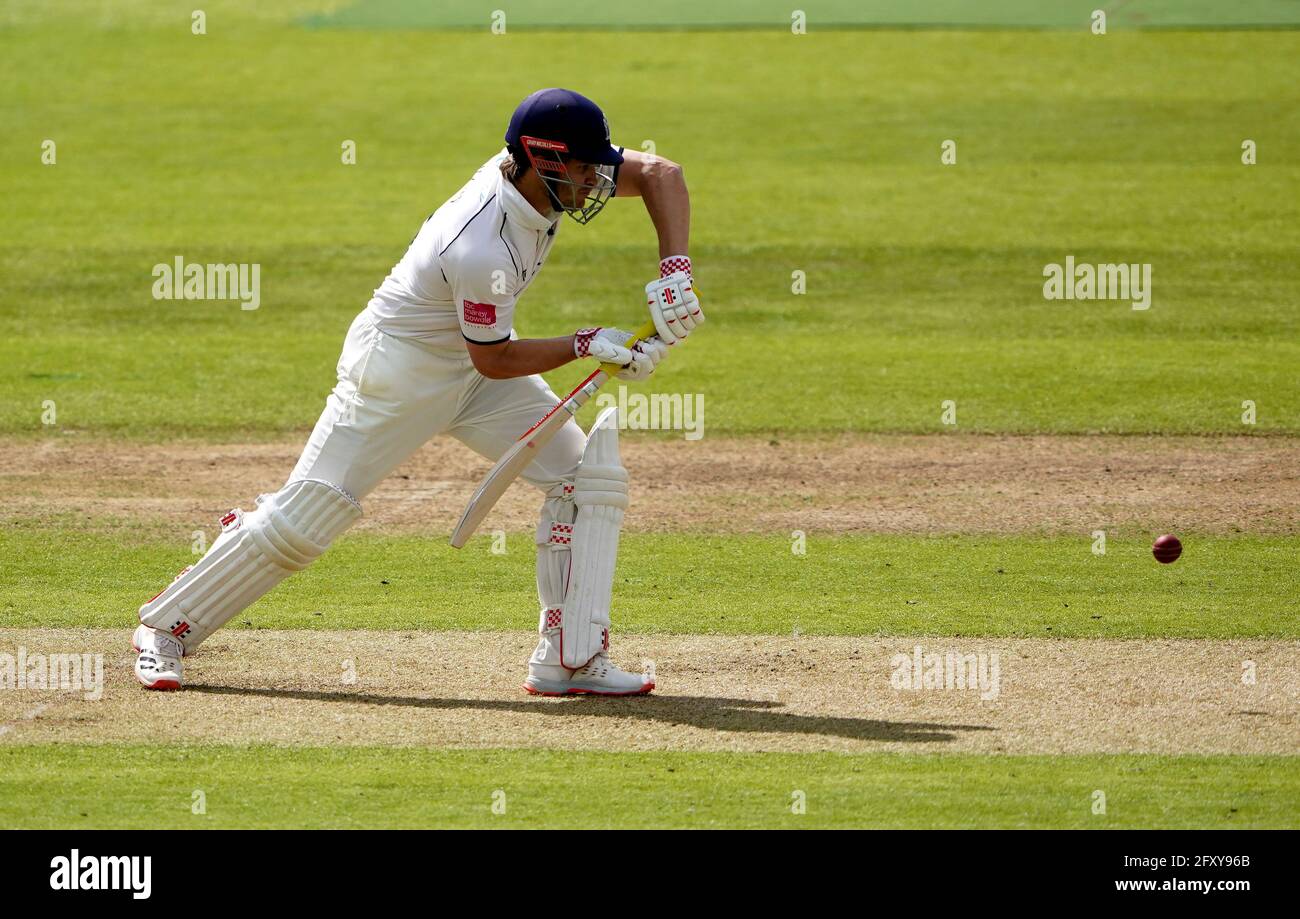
463 272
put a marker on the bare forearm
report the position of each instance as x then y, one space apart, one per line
669 204
531 355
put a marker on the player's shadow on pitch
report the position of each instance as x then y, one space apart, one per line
706 712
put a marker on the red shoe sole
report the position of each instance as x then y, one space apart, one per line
163 685
646 688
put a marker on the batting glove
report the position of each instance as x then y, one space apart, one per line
646 355
674 305
606 345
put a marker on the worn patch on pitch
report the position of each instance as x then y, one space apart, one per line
462 689
950 483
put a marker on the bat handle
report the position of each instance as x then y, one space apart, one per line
645 331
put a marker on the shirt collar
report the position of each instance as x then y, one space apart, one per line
517 207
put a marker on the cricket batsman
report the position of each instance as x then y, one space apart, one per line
435 352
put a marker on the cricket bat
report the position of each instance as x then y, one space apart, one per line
525 449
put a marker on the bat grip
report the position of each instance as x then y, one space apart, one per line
645 331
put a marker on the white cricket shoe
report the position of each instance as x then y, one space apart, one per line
158 658
599 678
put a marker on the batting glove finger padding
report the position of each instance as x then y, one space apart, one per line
674 306
638 370
646 356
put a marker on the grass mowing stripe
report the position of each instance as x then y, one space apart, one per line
1236 587
923 282
776 14
621 14
137 786
893 384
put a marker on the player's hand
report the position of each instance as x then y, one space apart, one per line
674 306
604 344
646 355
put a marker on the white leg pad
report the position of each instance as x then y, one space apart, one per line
253 553
554 544
600 497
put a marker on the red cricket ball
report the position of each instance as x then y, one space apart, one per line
1167 549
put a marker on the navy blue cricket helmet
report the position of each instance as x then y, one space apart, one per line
553 126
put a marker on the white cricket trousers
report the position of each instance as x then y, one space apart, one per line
393 394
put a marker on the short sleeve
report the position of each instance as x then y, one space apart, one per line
483 292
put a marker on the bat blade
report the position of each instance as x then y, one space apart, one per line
515 460
523 451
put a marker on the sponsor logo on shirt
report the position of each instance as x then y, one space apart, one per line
480 313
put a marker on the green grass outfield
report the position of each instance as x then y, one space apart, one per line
1241 587
70 786
815 153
